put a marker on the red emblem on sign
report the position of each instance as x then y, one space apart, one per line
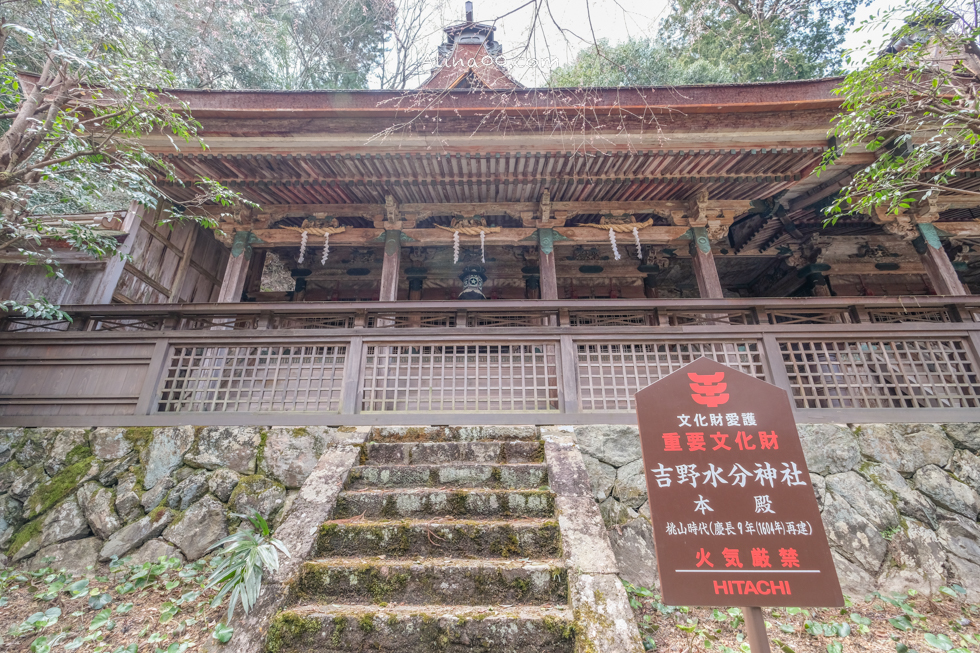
709 389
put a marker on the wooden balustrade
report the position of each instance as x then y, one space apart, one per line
911 359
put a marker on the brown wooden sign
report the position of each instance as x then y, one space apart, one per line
735 520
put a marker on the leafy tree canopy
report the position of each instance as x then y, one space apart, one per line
637 62
261 44
763 40
72 131
916 104
723 41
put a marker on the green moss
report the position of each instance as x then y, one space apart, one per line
339 624
140 436
366 624
26 533
61 485
260 453
253 485
522 586
80 452
563 629
389 508
538 456
457 503
392 621
495 479
287 627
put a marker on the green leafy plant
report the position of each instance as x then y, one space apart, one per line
250 555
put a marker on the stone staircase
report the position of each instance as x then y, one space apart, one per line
443 541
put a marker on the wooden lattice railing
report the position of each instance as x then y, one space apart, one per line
912 359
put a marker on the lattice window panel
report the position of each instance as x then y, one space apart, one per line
14 324
149 323
231 322
331 321
507 319
893 316
611 373
882 373
410 320
681 318
518 377
638 318
253 378
830 316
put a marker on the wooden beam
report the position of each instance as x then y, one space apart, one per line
391 265
185 261
234 281
160 239
147 279
441 237
709 284
206 274
942 276
490 208
115 266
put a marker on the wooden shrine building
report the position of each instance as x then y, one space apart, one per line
479 252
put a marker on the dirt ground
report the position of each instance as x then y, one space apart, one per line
883 624
154 607
162 608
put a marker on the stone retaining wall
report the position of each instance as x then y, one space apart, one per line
899 502
72 497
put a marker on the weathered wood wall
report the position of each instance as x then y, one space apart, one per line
171 263
19 281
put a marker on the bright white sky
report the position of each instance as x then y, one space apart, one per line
616 20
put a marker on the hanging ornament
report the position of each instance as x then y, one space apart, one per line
302 247
639 247
326 249
612 241
455 247
483 247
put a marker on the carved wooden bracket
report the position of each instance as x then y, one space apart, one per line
699 212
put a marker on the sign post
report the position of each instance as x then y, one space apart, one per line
735 519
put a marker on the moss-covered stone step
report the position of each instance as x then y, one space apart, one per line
439 453
519 476
431 581
422 629
452 433
425 502
517 538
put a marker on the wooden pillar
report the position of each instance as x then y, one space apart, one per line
236 270
549 277
415 285
391 266
185 262
114 266
253 283
650 287
942 276
233 282
709 285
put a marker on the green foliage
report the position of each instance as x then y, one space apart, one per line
249 554
223 633
915 106
722 41
637 62
73 129
766 40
